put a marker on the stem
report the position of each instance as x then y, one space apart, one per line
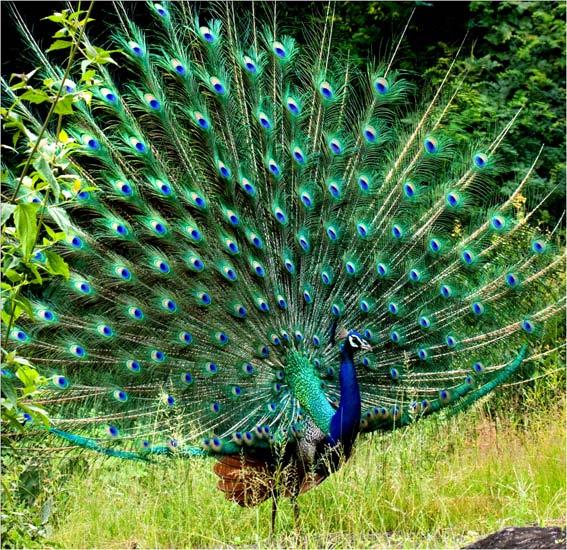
42 131
52 108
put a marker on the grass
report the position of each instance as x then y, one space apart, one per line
440 484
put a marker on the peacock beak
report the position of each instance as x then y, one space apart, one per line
366 346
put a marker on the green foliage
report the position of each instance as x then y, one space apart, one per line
518 64
33 215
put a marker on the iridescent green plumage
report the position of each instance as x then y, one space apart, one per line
244 193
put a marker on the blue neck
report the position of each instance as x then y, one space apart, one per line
346 420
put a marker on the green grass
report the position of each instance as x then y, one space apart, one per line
439 484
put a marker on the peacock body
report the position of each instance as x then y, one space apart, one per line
269 255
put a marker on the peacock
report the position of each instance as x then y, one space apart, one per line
271 254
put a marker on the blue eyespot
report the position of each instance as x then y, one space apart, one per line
451 341
326 90
165 189
133 366
381 86
332 234
497 222
424 322
185 337
249 65
136 313
124 273
370 134
431 145
121 229
264 121
279 50
452 199
292 106
218 86
93 144
306 200
157 355
78 351
397 231
528 326
477 308
480 160
434 245
409 190
467 256
47 315
512 280
335 190
382 269
207 34
478 367
363 183
414 275
422 354
178 67
335 146
280 215
539 246
446 291
112 431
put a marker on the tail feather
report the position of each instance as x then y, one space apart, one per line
240 193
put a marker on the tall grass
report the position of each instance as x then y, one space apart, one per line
439 484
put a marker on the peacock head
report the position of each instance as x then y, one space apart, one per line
353 341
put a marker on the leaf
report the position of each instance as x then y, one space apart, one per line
84 64
43 167
6 210
35 96
56 265
63 136
59 45
64 105
26 227
60 217
57 17
61 33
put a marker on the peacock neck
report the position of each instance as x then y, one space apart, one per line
346 420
